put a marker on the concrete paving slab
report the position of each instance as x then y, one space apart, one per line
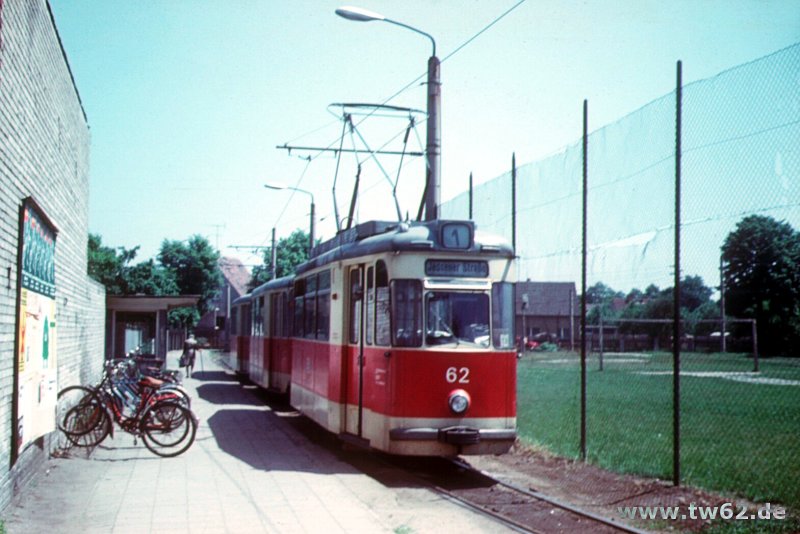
248 471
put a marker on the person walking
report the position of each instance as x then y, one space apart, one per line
190 349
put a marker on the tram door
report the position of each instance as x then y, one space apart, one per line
354 350
273 358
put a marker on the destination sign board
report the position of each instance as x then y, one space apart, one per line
457 268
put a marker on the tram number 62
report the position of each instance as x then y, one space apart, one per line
460 375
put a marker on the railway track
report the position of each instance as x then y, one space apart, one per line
530 510
518 508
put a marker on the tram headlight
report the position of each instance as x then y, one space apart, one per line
459 401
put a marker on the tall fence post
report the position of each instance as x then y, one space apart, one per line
583 280
676 305
722 302
601 340
754 330
514 202
470 196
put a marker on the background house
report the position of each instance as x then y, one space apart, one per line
213 324
547 310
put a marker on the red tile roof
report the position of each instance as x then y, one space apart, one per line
236 274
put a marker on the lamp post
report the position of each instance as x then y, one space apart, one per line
433 147
280 187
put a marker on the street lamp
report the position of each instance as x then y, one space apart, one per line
280 187
433 148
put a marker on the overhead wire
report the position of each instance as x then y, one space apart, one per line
391 97
424 74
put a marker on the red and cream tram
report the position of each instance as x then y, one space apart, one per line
270 351
396 335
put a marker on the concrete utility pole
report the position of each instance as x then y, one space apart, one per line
434 144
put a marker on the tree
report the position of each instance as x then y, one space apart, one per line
108 265
601 293
762 280
291 252
195 264
694 293
655 303
112 268
188 267
601 298
147 278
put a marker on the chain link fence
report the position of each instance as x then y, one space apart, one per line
738 262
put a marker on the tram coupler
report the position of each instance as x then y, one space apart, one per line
459 435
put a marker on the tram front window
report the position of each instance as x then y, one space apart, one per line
457 317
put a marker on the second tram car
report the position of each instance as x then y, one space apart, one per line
240 331
396 335
270 350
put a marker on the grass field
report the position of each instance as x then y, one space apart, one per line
740 432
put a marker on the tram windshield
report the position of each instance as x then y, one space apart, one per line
452 318
457 318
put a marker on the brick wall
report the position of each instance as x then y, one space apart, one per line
44 153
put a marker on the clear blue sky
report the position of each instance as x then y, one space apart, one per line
187 100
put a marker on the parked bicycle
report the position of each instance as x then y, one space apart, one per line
155 410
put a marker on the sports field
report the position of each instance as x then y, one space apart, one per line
740 431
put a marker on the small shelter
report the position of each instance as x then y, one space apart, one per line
140 322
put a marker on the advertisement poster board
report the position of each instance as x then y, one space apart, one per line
37 357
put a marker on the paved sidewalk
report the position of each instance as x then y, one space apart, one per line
248 471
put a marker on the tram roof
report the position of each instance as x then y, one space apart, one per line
375 237
244 299
278 283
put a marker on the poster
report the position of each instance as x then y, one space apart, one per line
37 363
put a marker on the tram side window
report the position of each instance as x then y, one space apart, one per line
355 305
310 311
290 313
274 315
246 320
370 310
310 316
407 313
299 308
286 323
323 305
503 316
382 305
253 313
257 321
264 316
260 325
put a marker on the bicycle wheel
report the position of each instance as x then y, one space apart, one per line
168 429
86 424
174 393
70 397
167 423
